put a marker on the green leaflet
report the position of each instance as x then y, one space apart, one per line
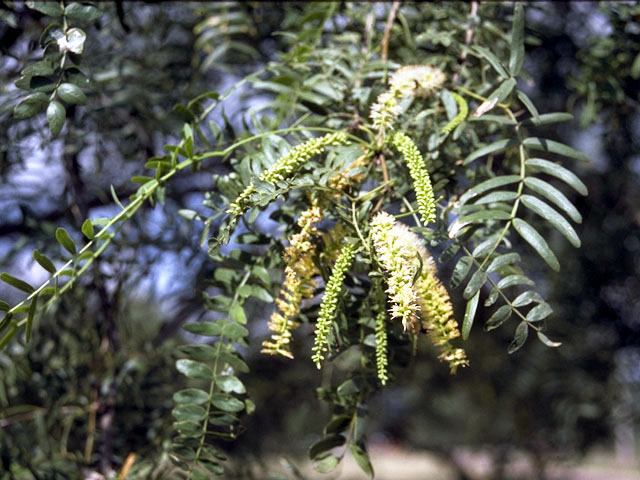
553 217
536 240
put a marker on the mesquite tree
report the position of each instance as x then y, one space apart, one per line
383 152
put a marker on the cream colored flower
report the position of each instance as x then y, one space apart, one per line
416 80
402 253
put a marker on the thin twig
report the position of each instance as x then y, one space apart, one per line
468 37
387 33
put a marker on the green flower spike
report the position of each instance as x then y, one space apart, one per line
286 165
419 175
381 347
330 303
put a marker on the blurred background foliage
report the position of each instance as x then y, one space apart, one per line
95 384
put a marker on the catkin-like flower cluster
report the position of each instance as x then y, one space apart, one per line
298 284
408 81
330 303
381 347
286 165
419 175
402 253
396 252
416 80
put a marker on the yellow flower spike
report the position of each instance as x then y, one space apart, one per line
437 313
419 175
330 303
298 284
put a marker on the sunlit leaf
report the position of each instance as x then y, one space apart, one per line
553 217
65 240
536 240
558 171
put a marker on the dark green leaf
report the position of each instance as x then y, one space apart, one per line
82 12
475 284
488 185
193 369
44 262
551 193
16 283
52 9
72 94
558 171
495 147
191 395
199 352
87 229
513 280
207 329
503 91
8 336
213 467
477 217
526 298
235 331
527 103
189 412
227 403
30 106
449 253
500 196
30 316
188 429
548 118
546 145
548 342
325 444
539 244
539 312
77 77
4 306
493 60
502 260
65 240
516 57
500 316
338 423
635 67
361 457
230 383
461 271
469 315
55 116
519 338
553 217
222 420
484 248
349 387
234 362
